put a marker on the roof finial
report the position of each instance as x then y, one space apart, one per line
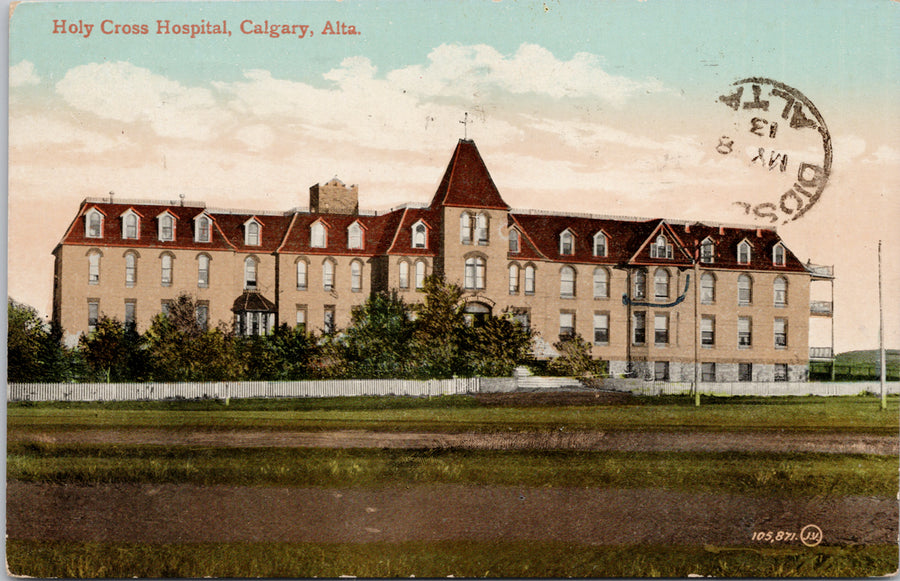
182 198
465 123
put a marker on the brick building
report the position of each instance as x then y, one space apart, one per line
627 285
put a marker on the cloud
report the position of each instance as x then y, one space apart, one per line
123 92
884 155
23 74
38 131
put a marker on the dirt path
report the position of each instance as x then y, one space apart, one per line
184 513
629 441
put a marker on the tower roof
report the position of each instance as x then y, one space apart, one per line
467 182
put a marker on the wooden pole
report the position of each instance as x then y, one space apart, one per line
881 333
696 328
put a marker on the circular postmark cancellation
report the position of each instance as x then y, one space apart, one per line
811 535
782 140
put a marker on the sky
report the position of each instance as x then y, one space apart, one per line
608 108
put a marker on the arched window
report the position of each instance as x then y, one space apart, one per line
94 224
743 254
529 280
420 274
166 228
356 276
203 228
252 234
328 275
513 279
707 288
317 236
94 267
482 228
566 243
403 270
567 282
302 274
130 269
778 255
475 271
601 283
465 228
131 226
420 238
250 273
781 292
354 236
202 271
640 284
513 240
745 290
661 283
600 244
166 269
707 251
661 248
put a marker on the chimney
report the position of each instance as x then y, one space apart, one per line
334 198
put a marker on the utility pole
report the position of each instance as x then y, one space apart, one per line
881 333
696 324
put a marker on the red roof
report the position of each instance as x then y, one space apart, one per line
466 182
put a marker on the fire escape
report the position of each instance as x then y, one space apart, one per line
818 308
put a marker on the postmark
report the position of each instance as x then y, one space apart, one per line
780 135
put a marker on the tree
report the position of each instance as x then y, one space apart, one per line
575 359
378 342
496 345
112 353
35 351
293 351
440 329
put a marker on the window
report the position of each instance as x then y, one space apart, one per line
707 331
513 240
707 372
745 337
781 339
404 275
745 290
130 269
328 319
707 289
522 317
301 317
566 243
639 328
93 314
202 228
355 236
165 307
743 253
130 306
317 236
94 224
601 283
203 315
166 274
94 267
661 284
130 225
745 372
567 282
355 276
474 275
250 273
529 280
781 292
202 271
482 228
252 233
420 236
640 284
166 227
781 372
302 274
601 328
778 255
328 276
661 248
513 279
661 370
566 324
599 244
661 329
465 228
707 251
420 274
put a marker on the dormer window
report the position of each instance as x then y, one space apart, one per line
513 240
202 228
707 251
600 241
130 223
661 248
166 227
252 232
779 255
354 236
318 237
94 223
566 243
743 252
419 235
